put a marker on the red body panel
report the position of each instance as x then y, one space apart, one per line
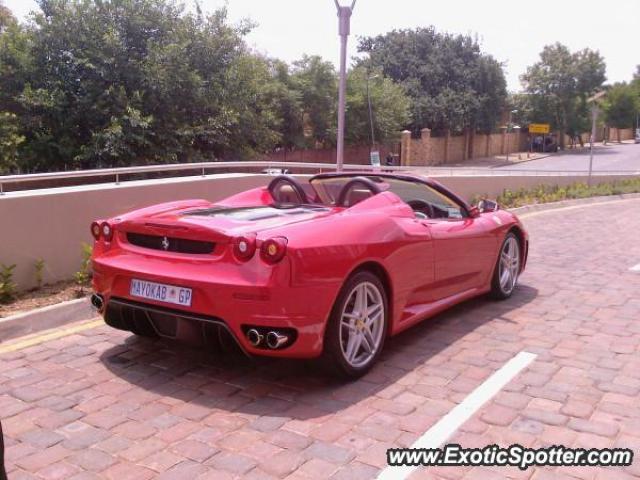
429 265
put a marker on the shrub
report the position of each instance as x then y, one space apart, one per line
39 267
7 285
555 193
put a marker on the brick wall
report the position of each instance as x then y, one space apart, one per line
354 154
428 150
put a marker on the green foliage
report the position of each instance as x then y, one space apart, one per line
558 86
451 83
389 104
39 272
120 82
622 104
316 82
10 140
83 275
554 193
7 285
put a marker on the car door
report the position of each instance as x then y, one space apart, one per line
464 254
463 248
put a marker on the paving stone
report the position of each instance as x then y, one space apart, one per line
355 471
498 415
41 438
194 450
589 426
328 452
232 462
289 440
282 464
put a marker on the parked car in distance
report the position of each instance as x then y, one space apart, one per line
328 267
637 138
548 143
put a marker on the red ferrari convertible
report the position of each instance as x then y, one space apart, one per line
328 267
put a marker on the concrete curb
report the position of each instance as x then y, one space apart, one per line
45 318
538 207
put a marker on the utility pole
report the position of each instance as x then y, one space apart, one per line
344 22
594 117
509 130
373 138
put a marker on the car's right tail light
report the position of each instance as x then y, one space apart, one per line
273 249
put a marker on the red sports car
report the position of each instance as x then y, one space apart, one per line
328 267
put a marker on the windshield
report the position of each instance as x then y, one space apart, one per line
414 193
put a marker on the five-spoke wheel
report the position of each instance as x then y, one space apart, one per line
358 325
507 268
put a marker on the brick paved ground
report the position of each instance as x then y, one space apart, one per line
104 404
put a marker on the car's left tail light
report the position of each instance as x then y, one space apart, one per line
273 249
95 230
244 247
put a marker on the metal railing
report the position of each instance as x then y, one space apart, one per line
204 167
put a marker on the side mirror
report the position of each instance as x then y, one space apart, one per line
487 206
474 212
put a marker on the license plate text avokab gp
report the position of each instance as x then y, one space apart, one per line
161 292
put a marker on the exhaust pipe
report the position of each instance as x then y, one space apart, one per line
97 301
276 340
254 337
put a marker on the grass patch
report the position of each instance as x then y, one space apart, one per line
549 193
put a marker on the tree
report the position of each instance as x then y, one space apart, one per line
621 106
451 83
559 84
316 82
10 140
390 107
119 82
288 106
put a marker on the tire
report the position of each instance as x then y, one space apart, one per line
353 340
507 268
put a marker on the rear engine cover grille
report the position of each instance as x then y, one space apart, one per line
170 244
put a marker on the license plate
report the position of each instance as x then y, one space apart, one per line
160 292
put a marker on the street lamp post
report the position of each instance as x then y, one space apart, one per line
344 21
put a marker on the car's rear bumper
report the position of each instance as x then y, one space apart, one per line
228 299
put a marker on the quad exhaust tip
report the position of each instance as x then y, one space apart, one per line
97 301
254 337
276 340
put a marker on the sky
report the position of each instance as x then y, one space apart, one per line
513 32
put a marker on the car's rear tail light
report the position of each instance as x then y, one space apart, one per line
273 249
244 247
95 230
106 231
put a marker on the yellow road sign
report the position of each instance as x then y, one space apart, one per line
538 128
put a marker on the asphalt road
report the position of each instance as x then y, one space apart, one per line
606 158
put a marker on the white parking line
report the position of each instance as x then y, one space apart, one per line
635 268
447 425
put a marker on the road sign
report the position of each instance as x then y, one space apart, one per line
538 128
375 158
